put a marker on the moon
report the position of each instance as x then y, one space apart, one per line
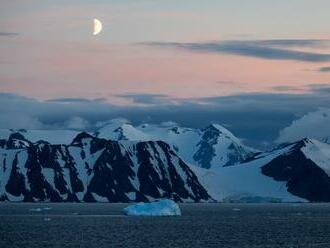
97 26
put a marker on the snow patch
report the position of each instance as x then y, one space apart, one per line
131 195
319 153
99 198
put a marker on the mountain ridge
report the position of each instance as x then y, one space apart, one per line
213 146
294 172
92 169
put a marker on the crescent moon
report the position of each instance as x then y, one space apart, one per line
97 26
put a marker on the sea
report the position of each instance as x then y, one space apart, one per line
215 225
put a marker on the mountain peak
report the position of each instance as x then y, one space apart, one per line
220 128
301 143
17 141
215 142
307 140
16 135
81 136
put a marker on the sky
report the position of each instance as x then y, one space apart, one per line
254 66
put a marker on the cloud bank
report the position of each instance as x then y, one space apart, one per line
324 69
8 34
145 98
313 125
265 49
255 117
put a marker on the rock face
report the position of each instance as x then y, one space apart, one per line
219 146
305 169
91 169
210 147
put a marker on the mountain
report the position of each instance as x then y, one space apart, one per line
91 169
326 140
293 172
136 166
210 147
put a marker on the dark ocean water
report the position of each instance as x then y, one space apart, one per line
201 225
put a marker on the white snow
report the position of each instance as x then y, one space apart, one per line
164 207
20 143
22 157
121 129
83 164
319 153
183 140
6 158
67 179
99 198
245 182
131 195
49 175
129 148
13 198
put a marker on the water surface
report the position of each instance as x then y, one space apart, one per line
201 225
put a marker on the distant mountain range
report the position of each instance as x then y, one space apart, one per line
210 147
121 163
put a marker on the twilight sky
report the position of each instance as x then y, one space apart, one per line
153 54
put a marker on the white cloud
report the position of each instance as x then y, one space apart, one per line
115 121
18 121
77 123
312 125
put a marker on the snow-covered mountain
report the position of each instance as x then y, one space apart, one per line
294 172
135 164
92 169
210 147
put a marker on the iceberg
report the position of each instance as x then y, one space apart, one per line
35 209
164 207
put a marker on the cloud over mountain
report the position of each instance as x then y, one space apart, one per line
312 125
250 116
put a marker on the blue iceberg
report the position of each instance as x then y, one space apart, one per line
164 207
